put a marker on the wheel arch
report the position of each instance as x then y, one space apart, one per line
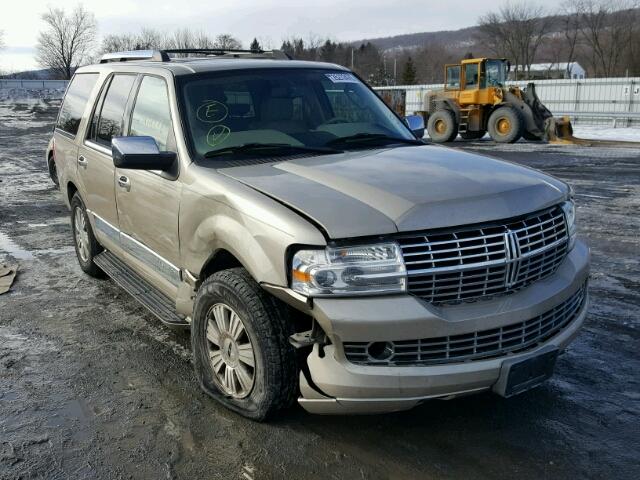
221 259
71 191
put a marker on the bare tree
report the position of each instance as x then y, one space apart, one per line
67 40
150 39
516 31
182 38
570 22
119 43
227 41
430 62
608 27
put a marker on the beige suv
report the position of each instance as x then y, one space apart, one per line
316 247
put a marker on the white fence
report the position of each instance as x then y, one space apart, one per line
613 101
604 101
34 84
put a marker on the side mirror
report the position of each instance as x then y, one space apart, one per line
140 153
416 124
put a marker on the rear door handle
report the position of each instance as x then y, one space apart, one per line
82 161
124 182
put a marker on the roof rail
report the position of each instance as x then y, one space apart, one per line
154 55
230 52
163 55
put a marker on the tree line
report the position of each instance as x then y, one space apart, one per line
603 35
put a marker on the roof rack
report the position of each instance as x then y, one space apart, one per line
164 55
154 55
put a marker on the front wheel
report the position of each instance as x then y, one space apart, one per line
240 341
506 125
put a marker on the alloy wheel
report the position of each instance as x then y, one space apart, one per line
81 234
230 351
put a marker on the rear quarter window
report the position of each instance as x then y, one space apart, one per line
109 121
75 102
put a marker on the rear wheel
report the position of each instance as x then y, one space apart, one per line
53 171
473 135
240 341
506 125
87 247
442 126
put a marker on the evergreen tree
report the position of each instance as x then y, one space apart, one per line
409 72
255 45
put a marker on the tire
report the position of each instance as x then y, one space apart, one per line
442 126
86 245
473 135
506 125
53 171
273 384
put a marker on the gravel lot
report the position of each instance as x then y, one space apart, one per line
92 386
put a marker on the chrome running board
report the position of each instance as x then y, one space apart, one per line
136 286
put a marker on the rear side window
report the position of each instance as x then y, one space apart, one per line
110 122
75 102
151 116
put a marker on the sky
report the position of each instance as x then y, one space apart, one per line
268 20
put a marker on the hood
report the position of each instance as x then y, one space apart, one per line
377 192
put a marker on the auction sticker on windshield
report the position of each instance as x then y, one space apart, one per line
342 77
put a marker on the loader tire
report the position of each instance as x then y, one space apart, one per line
473 135
442 126
506 125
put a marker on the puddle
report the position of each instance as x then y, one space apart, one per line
10 247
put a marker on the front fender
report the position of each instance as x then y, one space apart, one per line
217 213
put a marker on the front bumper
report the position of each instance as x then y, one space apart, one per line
339 386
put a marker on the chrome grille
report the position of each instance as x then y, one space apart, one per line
477 345
493 259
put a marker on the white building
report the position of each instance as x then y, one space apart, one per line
541 71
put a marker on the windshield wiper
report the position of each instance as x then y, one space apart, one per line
372 138
268 149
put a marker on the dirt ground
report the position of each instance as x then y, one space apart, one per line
92 386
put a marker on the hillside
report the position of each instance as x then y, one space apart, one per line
453 38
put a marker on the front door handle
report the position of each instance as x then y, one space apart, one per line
124 182
82 161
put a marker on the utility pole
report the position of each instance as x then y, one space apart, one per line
395 70
352 56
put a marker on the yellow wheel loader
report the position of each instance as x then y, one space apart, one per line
475 100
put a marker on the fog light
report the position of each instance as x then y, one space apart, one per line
380 350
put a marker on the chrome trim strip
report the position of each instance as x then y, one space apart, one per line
105 227
140 251
143 253
97 147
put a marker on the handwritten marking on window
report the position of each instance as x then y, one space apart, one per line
212 111
217 135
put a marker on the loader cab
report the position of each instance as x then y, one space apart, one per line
476 81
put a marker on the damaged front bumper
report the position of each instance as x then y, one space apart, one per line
332 384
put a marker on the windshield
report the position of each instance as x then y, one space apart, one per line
496 73
300 109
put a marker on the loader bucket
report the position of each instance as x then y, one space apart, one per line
559 131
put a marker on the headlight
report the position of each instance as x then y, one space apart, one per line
569 209
362 269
